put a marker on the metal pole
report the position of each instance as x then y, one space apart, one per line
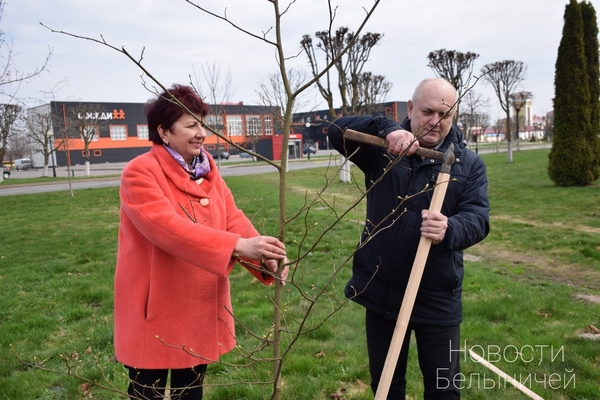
50 150
53 156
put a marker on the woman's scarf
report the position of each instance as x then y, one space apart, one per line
199 167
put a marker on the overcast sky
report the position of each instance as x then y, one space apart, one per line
179 39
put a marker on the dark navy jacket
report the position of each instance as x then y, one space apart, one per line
382 267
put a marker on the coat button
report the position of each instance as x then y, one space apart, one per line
204 201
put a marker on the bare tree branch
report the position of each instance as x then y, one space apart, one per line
455 67
504 77
8 75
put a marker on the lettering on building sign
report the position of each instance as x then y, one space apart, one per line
115 114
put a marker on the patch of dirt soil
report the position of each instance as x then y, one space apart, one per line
578 227
538 266
590 298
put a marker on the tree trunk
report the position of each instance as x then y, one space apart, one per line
517 126
277 361
508 136
345 170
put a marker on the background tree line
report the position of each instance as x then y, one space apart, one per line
342 77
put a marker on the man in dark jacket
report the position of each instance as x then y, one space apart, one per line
397 215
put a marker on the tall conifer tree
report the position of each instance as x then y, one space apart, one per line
590 40
571 158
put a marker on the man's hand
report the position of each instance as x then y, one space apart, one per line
401 142
434 226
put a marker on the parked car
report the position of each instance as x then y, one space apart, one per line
5 172
309 150
22 164
223 155
243 154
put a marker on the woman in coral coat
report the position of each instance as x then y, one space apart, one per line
180 236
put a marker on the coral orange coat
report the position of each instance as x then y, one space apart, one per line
176 239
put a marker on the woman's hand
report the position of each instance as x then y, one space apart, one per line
265 248
272 266
260 248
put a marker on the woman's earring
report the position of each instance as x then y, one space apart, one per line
167 144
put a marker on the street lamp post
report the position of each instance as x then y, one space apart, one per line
52 153
307 139
307 130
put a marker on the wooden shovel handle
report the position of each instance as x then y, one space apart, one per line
364 138
410 294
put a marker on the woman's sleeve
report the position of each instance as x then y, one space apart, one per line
152 213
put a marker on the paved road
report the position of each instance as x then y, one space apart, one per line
231 167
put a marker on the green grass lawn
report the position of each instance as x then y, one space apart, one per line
530 292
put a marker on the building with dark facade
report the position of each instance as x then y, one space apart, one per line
313 125
122 131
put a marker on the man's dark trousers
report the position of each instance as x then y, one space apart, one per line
439 366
